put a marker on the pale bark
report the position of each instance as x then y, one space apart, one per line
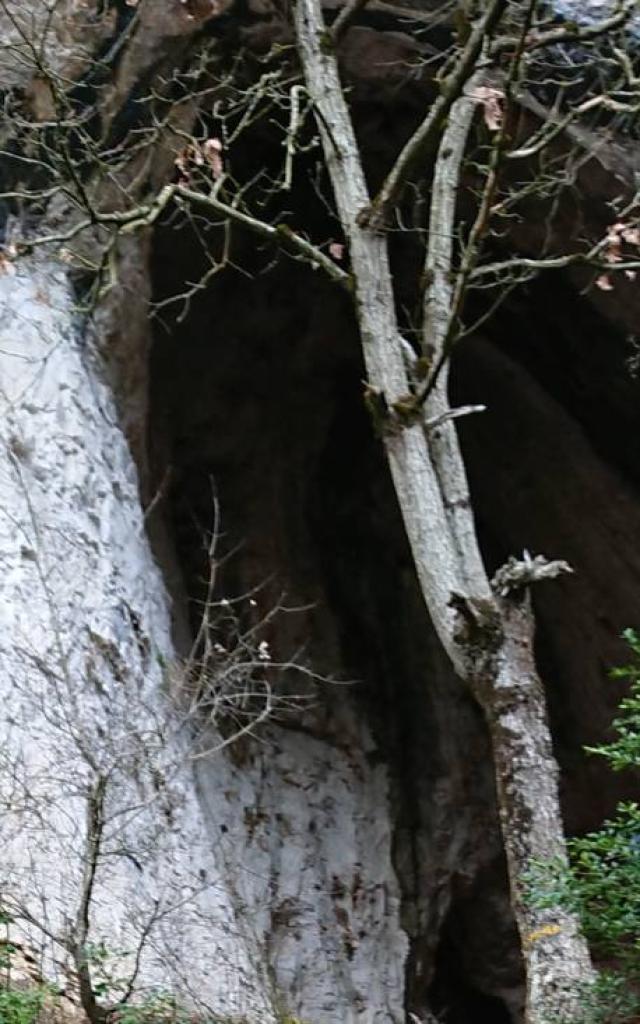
489 640
443 442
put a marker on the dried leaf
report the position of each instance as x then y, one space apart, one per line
492 101
6 266
182 160
604 283
212 151
617 233
614 237
631 235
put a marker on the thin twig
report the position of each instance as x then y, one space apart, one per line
344 19
426 136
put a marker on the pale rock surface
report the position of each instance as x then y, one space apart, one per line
85 635
272 871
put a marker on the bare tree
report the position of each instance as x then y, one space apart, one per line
488 143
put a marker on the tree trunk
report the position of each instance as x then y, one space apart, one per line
488 641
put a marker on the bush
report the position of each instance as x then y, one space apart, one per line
21 1007
601 882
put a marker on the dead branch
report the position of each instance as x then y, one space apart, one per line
519 573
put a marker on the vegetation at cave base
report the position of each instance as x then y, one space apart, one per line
601 882
19 1006
36 1001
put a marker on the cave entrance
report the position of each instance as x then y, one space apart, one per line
257 400
454 999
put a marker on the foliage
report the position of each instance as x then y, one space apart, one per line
158 1008
19 1006
601 881
24 1006
624 752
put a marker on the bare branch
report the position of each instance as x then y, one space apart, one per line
452 414
281 234
79 938
344 19
438 274
426 136
569 32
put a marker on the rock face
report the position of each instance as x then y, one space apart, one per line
342 865
85 639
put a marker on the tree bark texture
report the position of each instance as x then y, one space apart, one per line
488 641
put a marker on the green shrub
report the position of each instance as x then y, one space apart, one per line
21 1007
158 1008
17 1005
602 880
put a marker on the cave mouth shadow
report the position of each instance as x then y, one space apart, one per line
259 388
453 999
465 987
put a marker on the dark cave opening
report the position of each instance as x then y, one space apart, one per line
454 1000
259 390
582 359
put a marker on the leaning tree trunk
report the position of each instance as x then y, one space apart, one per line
489 639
